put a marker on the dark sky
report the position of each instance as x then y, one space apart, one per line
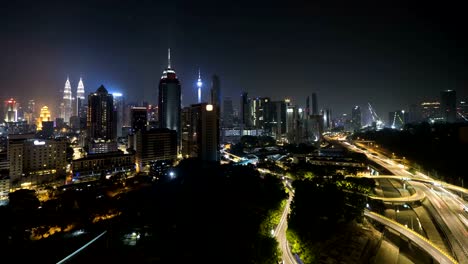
389 53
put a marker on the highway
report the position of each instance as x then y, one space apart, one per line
280 234
447 207
439 255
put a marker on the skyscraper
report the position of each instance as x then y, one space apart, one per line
356 118
228 113
101 123
66 110
199 86
215 91
11 110
139 117
43 117
448 105
314 104
203 132
246 115
119 104
169 100
80 98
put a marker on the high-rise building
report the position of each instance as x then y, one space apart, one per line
356 118
203 132
34 160
154 145
448 105
327 119
80 99
139 117
314 104
258 108
246 111
101 123
274 118
215 91
11 110
43 117
307 109
119 107
431 112
199 86
169 100
66 109
228 113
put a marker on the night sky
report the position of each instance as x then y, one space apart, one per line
388 53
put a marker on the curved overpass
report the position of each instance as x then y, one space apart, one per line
417 196
436 253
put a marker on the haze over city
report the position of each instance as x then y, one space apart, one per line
266 132
391 55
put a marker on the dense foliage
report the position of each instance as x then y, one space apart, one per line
439 149
320 206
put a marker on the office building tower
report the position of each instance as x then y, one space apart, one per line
66 109
431 112
228 113
215 91
154 145
34 161
448 105
119 106
169 100
101 123
307 109
327 119
274 120
11 110
356 118
314 104
80 99
203 132
246 113
44 116
139 117
258 106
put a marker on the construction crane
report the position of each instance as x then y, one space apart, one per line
375 118
395 116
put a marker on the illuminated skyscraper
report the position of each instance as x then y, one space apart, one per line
43 117
203 132
80 99
101 116
169 100
11 110
119 107
66 109
199 86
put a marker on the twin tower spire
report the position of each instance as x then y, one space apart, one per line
67 109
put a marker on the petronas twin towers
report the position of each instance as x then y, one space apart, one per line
67 107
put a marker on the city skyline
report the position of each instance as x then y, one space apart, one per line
388 56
